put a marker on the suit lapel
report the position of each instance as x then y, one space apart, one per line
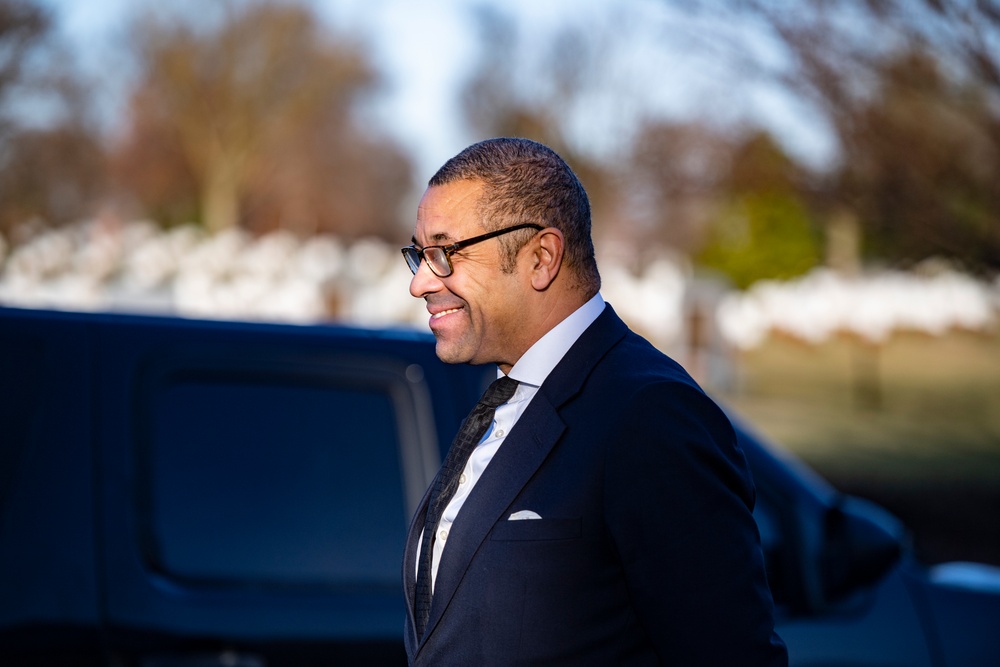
517 460
410 553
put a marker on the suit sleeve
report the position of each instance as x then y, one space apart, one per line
679 500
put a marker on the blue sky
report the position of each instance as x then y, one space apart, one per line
425 48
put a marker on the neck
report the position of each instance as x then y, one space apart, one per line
541 316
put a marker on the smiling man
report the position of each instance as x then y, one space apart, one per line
594 508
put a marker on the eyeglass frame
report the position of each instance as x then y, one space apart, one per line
411 251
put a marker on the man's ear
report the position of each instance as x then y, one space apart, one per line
546 258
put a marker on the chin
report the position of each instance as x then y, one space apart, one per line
448 354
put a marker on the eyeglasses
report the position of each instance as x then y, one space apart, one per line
439 256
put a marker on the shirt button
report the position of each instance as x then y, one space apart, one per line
499 433
443 535
462 478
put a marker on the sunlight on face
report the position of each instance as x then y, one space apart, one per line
474 311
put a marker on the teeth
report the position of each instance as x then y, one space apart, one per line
444 312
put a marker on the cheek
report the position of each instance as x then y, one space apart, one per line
501 315
494 306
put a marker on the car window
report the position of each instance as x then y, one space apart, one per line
273 480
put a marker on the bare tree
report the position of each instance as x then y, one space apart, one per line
674 182
910 90
23 25
924 167
51 169
55 175
259 116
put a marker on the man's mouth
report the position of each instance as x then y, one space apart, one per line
435 316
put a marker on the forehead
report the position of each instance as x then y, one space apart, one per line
447 213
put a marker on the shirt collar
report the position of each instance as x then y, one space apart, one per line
536 364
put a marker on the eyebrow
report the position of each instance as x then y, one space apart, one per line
441 238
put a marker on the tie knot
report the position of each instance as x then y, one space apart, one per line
499 392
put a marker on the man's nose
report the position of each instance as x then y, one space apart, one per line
424 281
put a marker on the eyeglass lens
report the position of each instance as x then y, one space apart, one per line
436 257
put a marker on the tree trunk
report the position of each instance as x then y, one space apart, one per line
843 243
220 205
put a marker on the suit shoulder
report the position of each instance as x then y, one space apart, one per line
643 377
636 360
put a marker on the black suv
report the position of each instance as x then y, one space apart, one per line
190 493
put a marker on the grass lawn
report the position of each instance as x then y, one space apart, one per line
913 424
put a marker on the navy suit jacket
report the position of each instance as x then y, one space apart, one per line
646 552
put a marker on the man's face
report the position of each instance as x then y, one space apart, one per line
474 311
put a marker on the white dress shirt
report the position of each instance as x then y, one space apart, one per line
530 371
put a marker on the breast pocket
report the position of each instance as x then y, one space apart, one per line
537 529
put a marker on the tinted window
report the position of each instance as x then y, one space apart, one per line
273 480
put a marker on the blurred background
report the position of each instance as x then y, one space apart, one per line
800 200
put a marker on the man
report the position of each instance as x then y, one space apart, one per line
605 516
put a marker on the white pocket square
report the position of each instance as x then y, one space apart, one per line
523 514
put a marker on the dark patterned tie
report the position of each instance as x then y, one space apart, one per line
446 482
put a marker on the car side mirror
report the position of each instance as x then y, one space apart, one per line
862 542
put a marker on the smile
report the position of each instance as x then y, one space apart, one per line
444 312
